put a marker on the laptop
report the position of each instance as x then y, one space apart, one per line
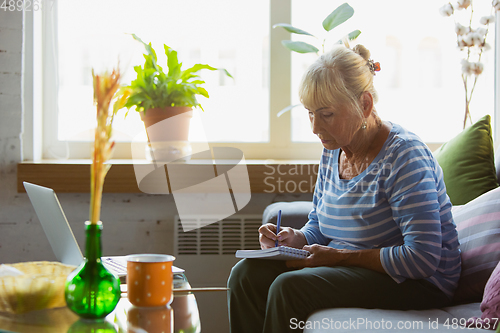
59 233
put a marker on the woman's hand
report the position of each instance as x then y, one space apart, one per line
327 256
320 256
286 237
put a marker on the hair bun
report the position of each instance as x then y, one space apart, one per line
362 51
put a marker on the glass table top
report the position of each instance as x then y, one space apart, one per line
180 316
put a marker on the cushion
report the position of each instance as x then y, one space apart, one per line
478 226
468 162
497 163
490 306
294 214
359 320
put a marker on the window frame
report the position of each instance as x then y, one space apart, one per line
40 120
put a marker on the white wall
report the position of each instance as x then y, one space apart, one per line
133 223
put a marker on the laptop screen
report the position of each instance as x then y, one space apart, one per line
54 224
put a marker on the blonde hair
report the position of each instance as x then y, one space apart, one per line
338 77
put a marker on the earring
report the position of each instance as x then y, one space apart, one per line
364 125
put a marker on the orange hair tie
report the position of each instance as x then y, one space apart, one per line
374 66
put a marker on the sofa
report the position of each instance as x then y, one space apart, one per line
476 212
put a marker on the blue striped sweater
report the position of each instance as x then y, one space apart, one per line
398 204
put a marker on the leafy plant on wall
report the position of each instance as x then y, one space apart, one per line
339 15
334 19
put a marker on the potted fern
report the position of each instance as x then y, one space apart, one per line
158 95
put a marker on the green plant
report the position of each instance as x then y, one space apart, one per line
153 88
341 14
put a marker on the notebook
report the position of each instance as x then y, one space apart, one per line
275 253
59 233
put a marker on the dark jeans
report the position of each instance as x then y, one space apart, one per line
266 296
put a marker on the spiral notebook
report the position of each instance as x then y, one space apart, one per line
274 253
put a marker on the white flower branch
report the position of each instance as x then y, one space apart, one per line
473 42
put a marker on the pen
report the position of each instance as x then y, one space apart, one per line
278 225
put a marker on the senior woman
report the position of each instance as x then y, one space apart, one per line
380 233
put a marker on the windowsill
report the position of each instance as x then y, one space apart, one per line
266 176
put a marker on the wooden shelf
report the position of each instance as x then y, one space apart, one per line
266 176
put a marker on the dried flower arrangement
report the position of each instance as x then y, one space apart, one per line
472 41
107 92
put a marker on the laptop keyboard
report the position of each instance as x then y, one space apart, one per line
117 266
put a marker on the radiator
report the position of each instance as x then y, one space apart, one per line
207 252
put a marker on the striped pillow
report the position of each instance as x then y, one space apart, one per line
478 226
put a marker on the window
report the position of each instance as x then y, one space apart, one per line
419 85
222 33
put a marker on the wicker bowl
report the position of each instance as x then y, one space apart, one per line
40 287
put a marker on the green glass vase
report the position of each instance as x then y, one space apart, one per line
92 291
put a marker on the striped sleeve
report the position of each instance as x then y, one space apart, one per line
413 196
311 229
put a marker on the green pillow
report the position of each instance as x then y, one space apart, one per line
468 163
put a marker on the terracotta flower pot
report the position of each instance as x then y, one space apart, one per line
176 128
168 130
